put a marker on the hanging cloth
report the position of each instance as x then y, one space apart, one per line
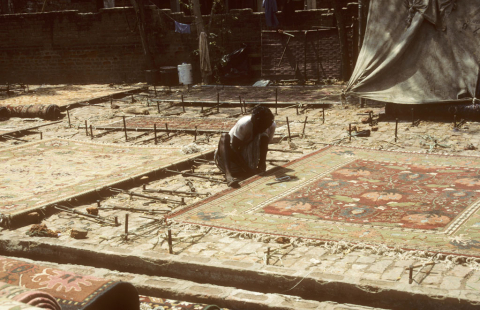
270 10
182 28
204 55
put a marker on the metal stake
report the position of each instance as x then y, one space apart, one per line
86 128
125 128
349 132
268 256
288 126
116 221
133 99
91 132
126 226
413 119
304 125
276 100
155 132
69 124
323 112
183 105
455 121
170 247
218 102
195 139
296 107
166 128
41 135
158 107
396 129
240 99
410 272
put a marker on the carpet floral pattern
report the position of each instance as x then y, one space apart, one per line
72 291
41 173
409 200
178 123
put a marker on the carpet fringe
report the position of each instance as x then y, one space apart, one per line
333 247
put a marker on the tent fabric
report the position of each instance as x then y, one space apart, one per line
420 51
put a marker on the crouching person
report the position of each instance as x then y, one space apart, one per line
242 152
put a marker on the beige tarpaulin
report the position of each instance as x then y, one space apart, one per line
420 51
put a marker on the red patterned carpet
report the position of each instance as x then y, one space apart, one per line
399 199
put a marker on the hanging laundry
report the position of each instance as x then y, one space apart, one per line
270 10
182 28
204 55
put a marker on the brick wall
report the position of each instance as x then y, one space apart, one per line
104 47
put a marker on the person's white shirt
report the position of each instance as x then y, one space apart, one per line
243 130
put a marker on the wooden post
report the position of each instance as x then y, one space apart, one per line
126 226
155 132
304 125
125 128
288 126
170 246
68 114
396 129
276 101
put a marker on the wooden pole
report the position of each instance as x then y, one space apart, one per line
155 132
288 126
170 246
304 125
126 226
69 124
396 129
276 101
125 128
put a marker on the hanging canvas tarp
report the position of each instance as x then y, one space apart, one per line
420 51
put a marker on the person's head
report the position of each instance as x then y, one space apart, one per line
262 118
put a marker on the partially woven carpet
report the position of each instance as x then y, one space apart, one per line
179 123
72 291
399 199
44 172
153 303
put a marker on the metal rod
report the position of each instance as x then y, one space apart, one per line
96 217
297 109
304 125
69 124
323 112
173 192
144 196
218 102
288 126
276 99
285 151
166 128
158 107
126 226
91 132
86 128
133 209
170 247
410 274
155 132
195 138
125 128
183 105
349 132
268 256
41 135
396 129
133 99
116 221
